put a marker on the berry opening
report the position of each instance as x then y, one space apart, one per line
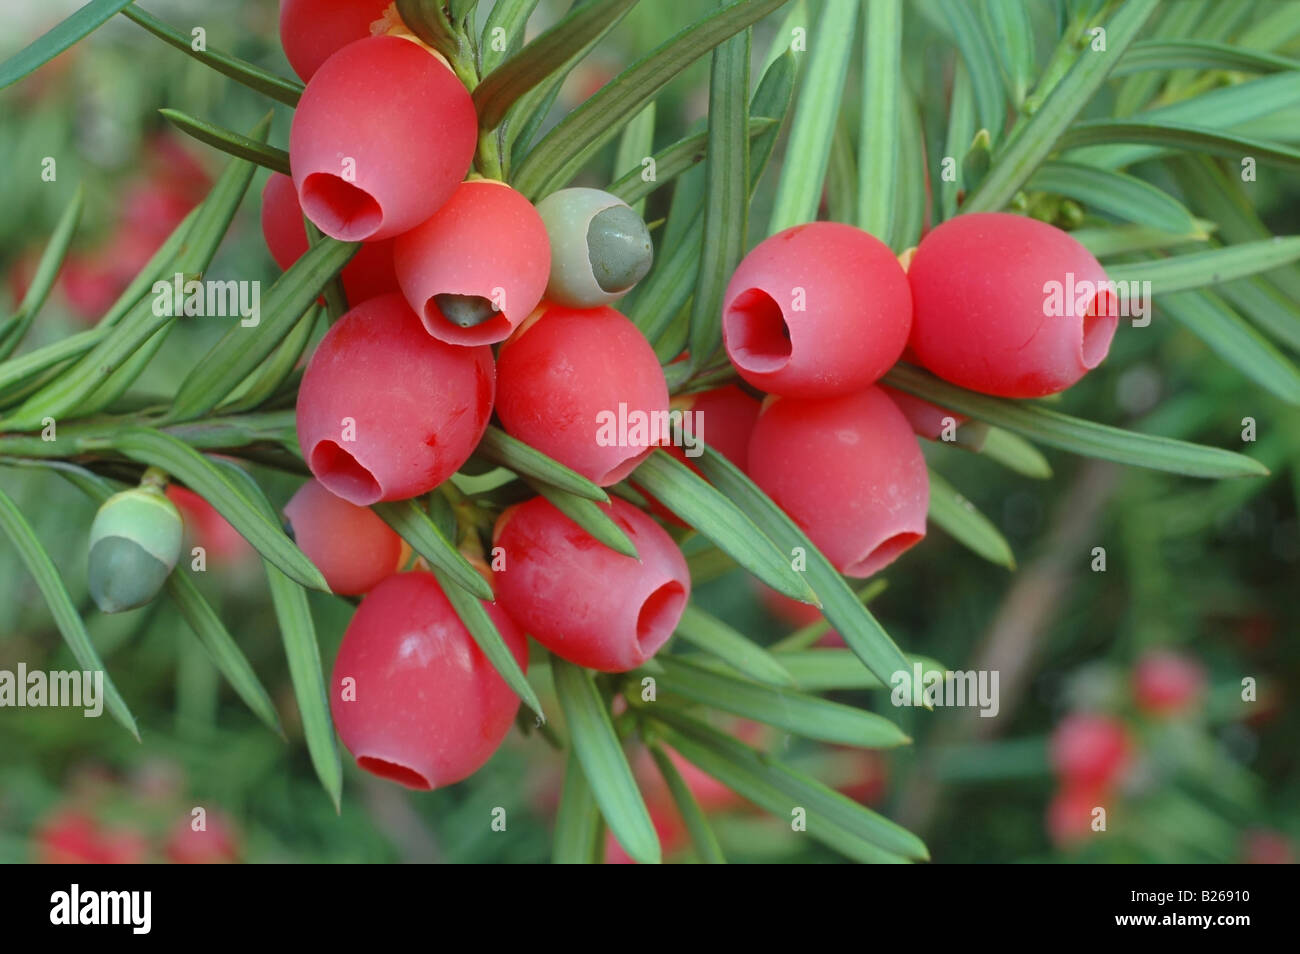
340 209
343 475
758 338
889 550
1099 324
394 772
659 616
464 320
621 470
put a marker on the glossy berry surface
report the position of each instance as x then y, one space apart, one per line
371 157
352 547
983 316
413 697
565 373
369 273
478 266
816 310
385 412
1087 749
848 471
312 31
580 599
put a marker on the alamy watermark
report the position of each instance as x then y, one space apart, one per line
934 687
208 299
58 688
637 428
1123 299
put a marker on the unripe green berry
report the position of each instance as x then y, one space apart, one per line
135 541
600 247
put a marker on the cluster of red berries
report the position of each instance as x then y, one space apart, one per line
1091 753
399 392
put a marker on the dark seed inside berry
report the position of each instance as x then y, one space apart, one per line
618 245
465 311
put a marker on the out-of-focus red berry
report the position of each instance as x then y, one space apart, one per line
1089 749
1263 846
1069 814
206 528
1167 683
215 844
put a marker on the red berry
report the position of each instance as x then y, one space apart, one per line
566 373
1089 749
1263 846
817 310
414 698
984 314
668 827
369 273
1069 814
478 266
382 136
350 545
68 837
580 599
848 471
215 844
927 420
311 31
1166 683
386 412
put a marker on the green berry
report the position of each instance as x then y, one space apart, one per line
135 542
600 247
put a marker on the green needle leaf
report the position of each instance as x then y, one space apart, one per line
603 762
833 819
1077 436
981 62
672 161
559 155
1212 267
712 635
804 715
697 824
588 515
502 88
840 604
414 526
301 648
229 141
14 329
1165 55
1123 196
722 521
82 23
578 825
824 670
959 518
500 448
799 190
206 479
241 349
878 136
1178 136
485 633
726 194
284 90
1015 453
50 582
1031 143
509 17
